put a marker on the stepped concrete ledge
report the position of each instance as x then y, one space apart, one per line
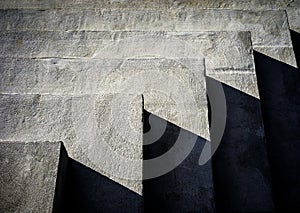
269 29
106 62
28 175
81 79
291 6
60 61
103 132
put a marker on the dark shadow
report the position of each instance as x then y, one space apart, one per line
187 188
240 164
296 45
279 88
165 142
61 181
89 191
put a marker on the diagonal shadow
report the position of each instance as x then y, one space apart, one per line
241 179
240 164
85 190
187 188
279 89
296 45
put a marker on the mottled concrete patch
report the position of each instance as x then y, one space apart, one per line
28 173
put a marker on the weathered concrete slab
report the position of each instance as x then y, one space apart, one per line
292 7
28 176
225 52
172 89
103 132
294 17
268 28
131 63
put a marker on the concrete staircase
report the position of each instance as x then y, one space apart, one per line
92 73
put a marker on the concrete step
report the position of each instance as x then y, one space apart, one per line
132 62
269 29
111 145
32 176
292 7
123 63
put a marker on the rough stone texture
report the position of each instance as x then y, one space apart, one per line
291 6
225 53
269 28
293 12
28 173
90 76
294 18
78 121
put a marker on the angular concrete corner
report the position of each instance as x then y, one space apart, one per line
28 176
103 132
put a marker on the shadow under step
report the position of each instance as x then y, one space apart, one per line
279 88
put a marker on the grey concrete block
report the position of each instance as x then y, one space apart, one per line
28 175
292 7
294 17
103 132
229 52
269 28
132 62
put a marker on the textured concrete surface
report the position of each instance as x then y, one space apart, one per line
76 71
105 62
269 28
28 173
87 127
227 50
291 6
71 68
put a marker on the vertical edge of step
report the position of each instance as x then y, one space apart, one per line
61 180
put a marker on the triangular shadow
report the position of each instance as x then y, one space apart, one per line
85 190
188 187
296 45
